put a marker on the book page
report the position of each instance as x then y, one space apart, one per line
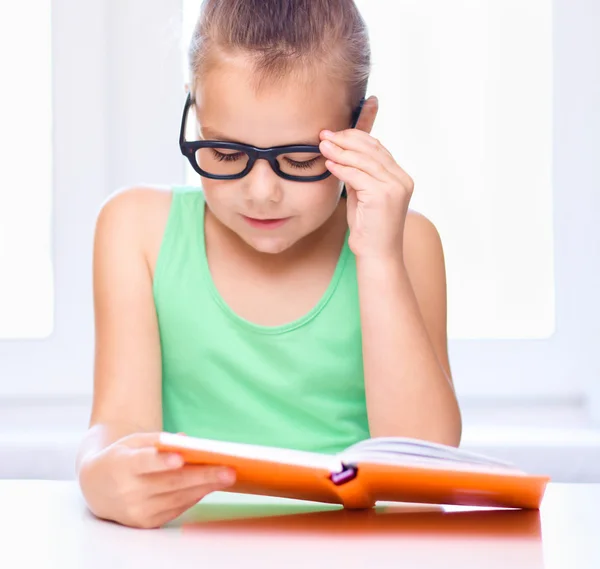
256 452
414 452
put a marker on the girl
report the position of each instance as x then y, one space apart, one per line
294 300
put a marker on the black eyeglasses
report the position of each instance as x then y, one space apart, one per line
221 160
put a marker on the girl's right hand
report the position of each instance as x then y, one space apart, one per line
132 483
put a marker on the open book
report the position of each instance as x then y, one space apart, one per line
378 469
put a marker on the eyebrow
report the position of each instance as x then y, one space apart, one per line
209 133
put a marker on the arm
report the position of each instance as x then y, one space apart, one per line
402 290
122 475
127 374
403 313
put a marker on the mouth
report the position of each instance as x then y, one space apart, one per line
265 223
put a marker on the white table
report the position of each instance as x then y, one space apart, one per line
45 524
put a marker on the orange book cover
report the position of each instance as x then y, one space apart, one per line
386 469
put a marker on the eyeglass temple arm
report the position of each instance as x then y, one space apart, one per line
188 104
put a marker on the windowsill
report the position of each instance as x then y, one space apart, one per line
567 455
39 436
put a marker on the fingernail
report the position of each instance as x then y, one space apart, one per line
326 145
327 134
226 476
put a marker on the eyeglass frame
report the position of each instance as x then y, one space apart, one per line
189 149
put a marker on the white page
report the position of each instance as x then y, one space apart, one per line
396 450
414 461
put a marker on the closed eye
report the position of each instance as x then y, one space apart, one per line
227 157
301 165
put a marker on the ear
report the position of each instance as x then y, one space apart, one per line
368 114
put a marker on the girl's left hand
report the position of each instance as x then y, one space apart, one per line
379 191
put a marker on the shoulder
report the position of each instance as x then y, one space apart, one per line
134 217
422 241
423 257
135 204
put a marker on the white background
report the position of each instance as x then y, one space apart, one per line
117 94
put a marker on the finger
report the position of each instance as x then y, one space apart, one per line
358 140
150 460
360 160
358 179
191 476
175 503
168 515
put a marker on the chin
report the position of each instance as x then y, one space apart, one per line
270 245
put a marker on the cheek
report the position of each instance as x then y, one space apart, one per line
219 194
319 200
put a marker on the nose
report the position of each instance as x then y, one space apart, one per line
262 185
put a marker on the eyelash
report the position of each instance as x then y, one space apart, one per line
226 157
236 156
301 165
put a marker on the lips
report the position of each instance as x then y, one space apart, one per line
272 223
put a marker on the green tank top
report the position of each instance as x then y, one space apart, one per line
299 385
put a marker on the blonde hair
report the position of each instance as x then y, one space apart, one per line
283 37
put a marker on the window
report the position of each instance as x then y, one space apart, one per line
26 286
54 172
496 132
468 113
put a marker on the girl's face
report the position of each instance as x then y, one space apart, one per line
230 108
